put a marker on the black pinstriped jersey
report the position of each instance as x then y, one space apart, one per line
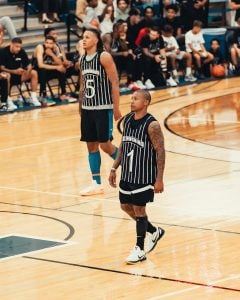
97 87
138 159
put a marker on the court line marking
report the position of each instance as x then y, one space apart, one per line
211 284
63 244
80 197
40 143
136 274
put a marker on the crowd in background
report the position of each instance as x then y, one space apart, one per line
154 43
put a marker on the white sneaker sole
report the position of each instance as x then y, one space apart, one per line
98 192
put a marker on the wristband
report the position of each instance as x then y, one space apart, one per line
113 170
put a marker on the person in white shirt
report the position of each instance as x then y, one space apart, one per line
173 53
194 42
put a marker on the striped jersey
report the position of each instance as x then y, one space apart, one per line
97 87
138 159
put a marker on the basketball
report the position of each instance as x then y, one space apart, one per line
218 71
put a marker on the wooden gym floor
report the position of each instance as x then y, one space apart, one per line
43 167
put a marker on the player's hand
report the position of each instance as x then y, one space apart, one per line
112 179
158 186
117 114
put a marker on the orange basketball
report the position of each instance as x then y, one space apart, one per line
218 71
94 23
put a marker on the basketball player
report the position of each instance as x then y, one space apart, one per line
142 158
99 101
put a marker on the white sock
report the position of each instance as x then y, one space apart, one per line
188 71
175 72
33 95
9 98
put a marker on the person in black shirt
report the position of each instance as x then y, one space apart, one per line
216 52
172 19
192 10
4 88
155 63
14 60
142 159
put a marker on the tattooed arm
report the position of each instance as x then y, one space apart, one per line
116 164
157 139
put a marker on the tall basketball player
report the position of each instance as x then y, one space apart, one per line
99 102
142 159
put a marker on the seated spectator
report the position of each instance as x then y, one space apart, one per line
192 10
49 66
154 57
7 24
148 17
14 60
216 52
106 17
52 7
133 28
4 92
195 44
172 19
173 53
123 56
60 52
91 16
122 11
235 52
81 8
235 5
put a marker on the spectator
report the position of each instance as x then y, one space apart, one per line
122 11
173 53
49 66
235 5
192 10
216 52
52 7
148 17
172 19
14 60
123 56
81 8
106 17
195 44
4 92
60 52
7 24
235 52
155 60
91 17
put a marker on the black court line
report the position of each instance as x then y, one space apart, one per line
69 226
135 274
120 218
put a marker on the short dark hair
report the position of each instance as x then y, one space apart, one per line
173 7
49 37
197 23
148 7
17 40
47 30
147 96
155 28
215 40
167 28
123 0
98 35
134 12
